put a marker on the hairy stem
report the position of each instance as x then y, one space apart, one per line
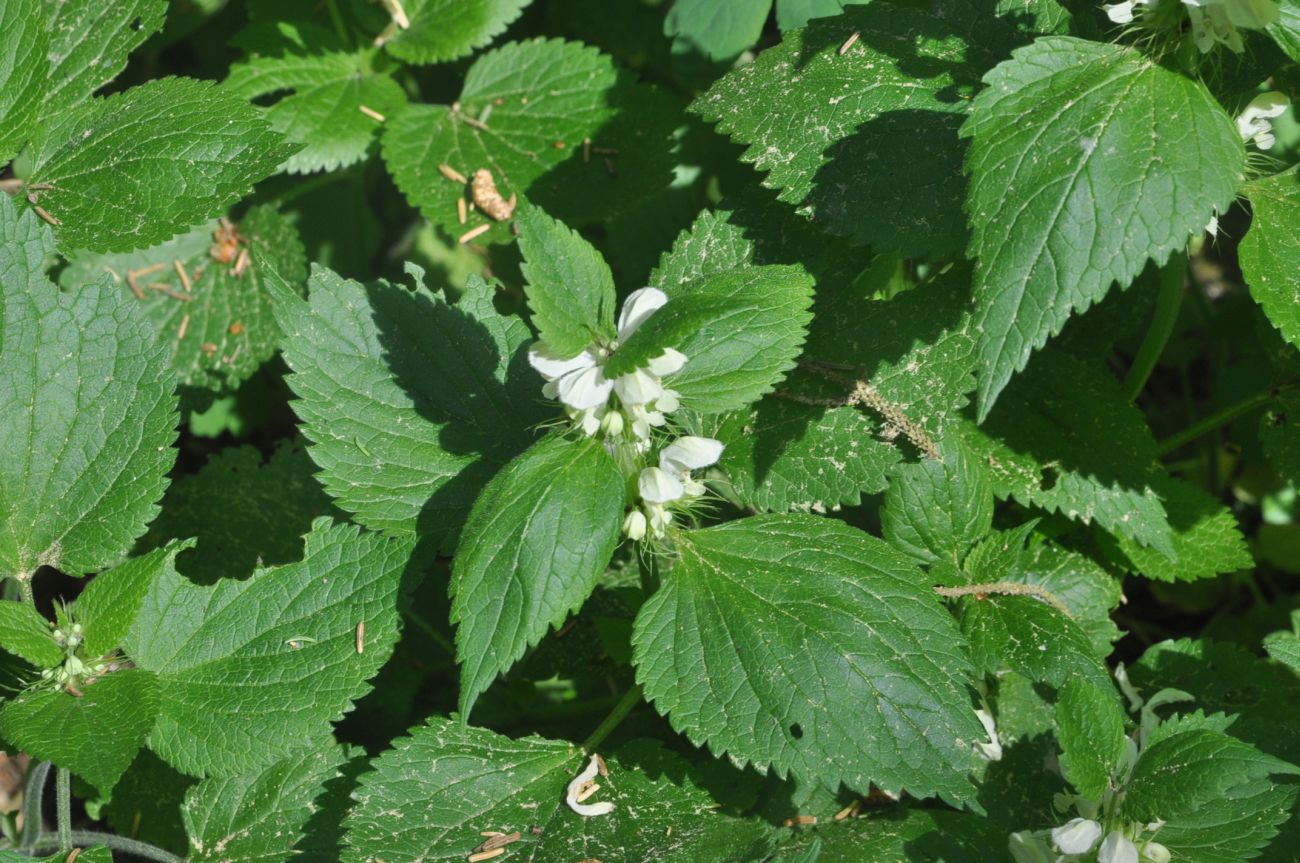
1219 418
630 699
861 392
33 795
63 800
337 20
1169 299
1006 588
83 838
25 590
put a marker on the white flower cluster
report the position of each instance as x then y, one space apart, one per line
580 383
625 409
668 483
1213 21
1253 123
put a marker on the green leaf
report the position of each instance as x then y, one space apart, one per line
93 854
226 331
1087 160
536 542
1285 646
865 141
1206 537
89 44
1030 637
124 178
718 29
146 803
1090 729
740 332
443 30
23 44
1089 591
252 670
905 835
1286 29
1215 793
549 91
1279 434
803 644
411 403
25 632
83 454
569 286
782 455
1270 251
1065 439
107 608
936 510
25 245
258 816
95 735
319 104
243 511
518 785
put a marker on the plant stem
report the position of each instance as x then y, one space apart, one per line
648 564
337 20
33 795
63 800
1168 300
630 699
428 629
1217 419
84 838
25 590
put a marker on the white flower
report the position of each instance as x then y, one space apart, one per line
657 486
1117 848
637 308
634 525
667 363
1028 847
1077 836
1124 13
690 453
638 387
991 751
1211 24
1252 14
1253 123
1154 852
582 784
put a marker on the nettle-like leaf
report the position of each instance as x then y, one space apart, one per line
1270 251
1286 29
1031 637
244 512
536 542
1087 590
1279 434
740 332
89 44
802 644
865 140
900 834
411 403
257 817
937 509
569 286
25 632
23 45
320 104
1206 537
96 734
718 29
1086 161
132 169
218 326
1090 730
250 671
1213 791
443 30
452 783
87 416
1065 439
108 607
1285 646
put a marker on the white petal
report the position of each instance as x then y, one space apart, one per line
1078 836
692 488
551 367
639 306
1120 13
1117 848
588 421
585 389
1154 852
1252 14
669 362
658 487
668 402
576 785
638 388
634 525
991 751
660 518
690 453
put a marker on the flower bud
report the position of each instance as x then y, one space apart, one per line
634 525
1154 852
612 423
